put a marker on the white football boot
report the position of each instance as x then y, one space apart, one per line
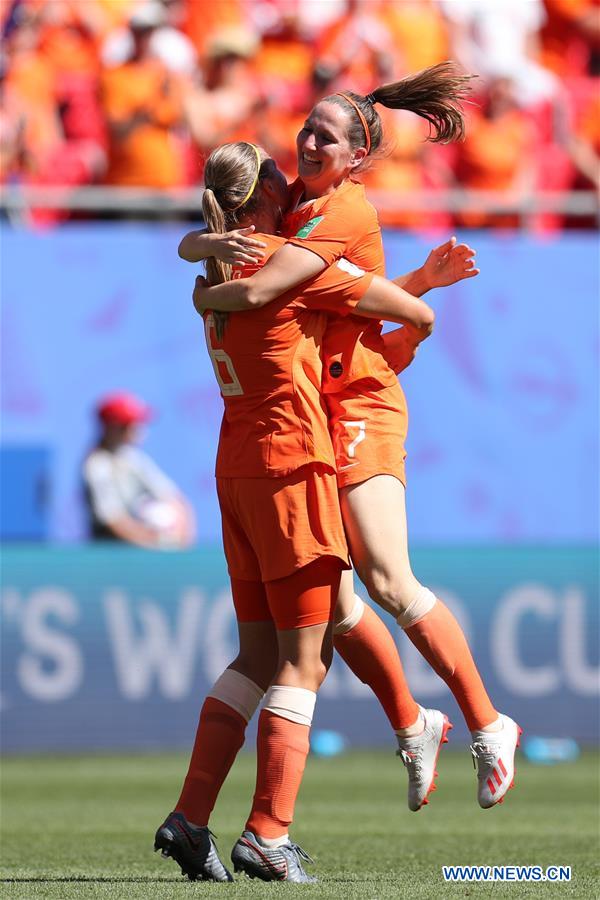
419 755
494 756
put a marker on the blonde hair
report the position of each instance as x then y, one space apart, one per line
436 94
231 175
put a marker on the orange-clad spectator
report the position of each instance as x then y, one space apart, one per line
419 32
168 42
204 19
358 48
585 144
68 39
284 63
229 96
70 44
30 85
496 155
143 108
571 36
409 164
52 132
12 129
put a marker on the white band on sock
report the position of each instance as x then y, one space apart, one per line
237 691
352 619
272 843
420 605
293 703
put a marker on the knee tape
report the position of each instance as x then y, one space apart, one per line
422 603
352 619
292 703
237 691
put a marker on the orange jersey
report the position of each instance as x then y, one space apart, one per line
269 369
344 223
148 155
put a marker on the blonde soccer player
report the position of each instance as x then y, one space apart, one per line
282 530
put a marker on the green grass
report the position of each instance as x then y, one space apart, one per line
83 827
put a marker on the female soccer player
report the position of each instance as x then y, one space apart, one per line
282 532
366 407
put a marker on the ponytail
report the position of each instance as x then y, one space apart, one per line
232 172
436 94
216 271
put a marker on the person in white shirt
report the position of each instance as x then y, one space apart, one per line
128 497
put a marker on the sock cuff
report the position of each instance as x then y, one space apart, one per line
352 619
273 843
421 604
292 703
238 692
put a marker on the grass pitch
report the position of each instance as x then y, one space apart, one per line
83 827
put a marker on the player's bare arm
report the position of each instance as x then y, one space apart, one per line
385 300
445 265
287 268
232 247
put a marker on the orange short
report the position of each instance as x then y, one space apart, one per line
368 427
274 526
306 597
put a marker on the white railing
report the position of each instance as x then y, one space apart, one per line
17 201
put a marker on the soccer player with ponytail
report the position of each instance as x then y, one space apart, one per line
331 218
282 529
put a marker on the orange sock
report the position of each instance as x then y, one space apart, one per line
440 639
219 737
282 750
369 651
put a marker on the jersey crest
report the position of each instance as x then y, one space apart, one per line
310 226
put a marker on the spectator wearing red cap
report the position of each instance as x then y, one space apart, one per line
128 497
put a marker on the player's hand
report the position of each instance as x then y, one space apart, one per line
449 263
237 247
199 288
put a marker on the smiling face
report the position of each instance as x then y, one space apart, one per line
325 157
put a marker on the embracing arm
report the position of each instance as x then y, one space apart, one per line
288 267
385 300
232 247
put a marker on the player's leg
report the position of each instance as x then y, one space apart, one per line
374 514
302 607
229 706
226 711
368 649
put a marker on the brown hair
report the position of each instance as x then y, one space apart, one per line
436 94
230 176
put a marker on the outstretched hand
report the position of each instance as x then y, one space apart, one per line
449 263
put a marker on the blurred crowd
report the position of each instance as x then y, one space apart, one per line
136 93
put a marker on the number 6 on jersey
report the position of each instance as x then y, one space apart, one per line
222 363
